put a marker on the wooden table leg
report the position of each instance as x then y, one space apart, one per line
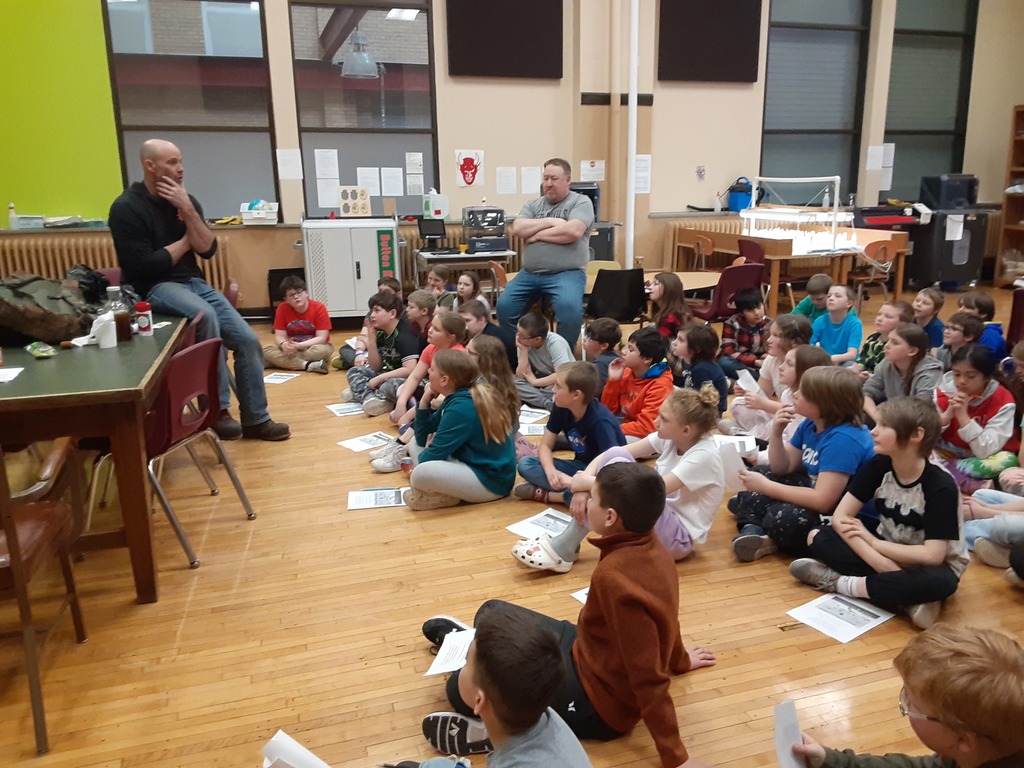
129 452
773 287
901 259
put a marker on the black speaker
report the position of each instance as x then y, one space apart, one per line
709 40
505 38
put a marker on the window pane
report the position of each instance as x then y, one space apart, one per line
842 12
203 66
323 38
805 155
932 15
918 156
130 30
924 83
223 169
811 80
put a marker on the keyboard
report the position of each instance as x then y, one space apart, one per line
442 251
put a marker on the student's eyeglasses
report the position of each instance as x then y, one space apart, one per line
954 328
906 711
292 295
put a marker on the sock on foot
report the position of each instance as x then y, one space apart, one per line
851 586
567 543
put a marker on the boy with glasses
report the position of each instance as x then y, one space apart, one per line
302 331
963 693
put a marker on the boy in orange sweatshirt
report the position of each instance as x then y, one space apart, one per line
638 383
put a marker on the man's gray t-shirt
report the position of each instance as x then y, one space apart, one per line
557 257
548 743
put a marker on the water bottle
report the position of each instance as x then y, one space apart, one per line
718 202
12 217
826 201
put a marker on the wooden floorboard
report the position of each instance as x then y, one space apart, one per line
308 619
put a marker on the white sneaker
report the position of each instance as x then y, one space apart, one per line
391 461
377 453
375 406
320 366
923 615
346 396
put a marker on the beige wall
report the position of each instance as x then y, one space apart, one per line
996 86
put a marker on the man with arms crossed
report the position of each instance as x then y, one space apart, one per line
158 231
555 228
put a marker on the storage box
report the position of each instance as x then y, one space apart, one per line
29 222
264 216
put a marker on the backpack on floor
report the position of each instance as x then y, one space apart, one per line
41 309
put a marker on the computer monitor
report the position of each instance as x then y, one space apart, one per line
950 190
431 230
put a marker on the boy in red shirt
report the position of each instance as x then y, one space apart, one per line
638 383
302 331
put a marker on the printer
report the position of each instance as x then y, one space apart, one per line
483 228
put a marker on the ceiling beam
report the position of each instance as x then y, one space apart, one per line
341 24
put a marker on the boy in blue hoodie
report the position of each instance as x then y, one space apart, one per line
983 306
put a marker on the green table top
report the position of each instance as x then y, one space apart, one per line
84 375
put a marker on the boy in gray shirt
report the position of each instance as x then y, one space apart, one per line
540 353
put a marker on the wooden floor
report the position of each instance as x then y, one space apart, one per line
308 619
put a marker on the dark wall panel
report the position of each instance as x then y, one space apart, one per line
709 40
505 38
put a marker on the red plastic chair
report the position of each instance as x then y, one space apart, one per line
113 275
186 408
754 254
733 280
36 524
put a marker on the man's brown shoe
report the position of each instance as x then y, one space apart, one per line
227 428
267 430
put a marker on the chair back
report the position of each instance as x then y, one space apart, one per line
618 294
1015 329
751 251
703 247
113 275
190 379
188 336
499 273
733 280
878 258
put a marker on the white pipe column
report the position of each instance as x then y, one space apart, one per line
634 59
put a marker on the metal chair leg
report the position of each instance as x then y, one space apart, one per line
222 455
202 470
172 518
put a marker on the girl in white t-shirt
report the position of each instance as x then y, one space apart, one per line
752 412
688 461
468 288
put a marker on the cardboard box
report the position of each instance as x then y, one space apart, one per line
259 217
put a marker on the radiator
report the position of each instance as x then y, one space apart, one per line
452 239
52 254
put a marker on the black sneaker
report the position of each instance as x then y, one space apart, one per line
267 430
227 428
453 734
436 627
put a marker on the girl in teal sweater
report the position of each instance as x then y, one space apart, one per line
470 455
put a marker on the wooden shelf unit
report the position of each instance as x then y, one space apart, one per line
1012 234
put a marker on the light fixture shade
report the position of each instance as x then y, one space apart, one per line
359 65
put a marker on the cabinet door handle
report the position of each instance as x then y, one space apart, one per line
359 271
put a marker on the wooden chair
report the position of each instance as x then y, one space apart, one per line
876 266
593 267
499 279
38 524
702 248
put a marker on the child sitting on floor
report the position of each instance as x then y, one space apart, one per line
668 306
468 289
962 328
514 708
626 645
927 305
471 456
744 334
808 474
915 558
695 348
839 332
540 353
980 437
601 340
638 383
812 306
983 307
963 694
752 412
890 314
688 461
907 369
589 427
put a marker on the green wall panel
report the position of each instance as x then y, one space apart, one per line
58 141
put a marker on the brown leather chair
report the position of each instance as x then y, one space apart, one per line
37 524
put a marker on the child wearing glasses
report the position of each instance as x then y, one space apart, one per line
302 331
963 693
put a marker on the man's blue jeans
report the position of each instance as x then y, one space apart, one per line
565 291
221 320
